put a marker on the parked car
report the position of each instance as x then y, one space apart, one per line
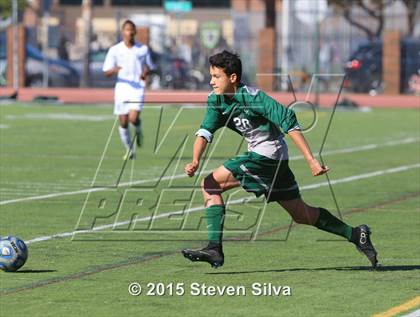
3 58
364 66
3 65
97 78
171 72
61 73
175 73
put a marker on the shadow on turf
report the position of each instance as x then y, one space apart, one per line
381 268
35 271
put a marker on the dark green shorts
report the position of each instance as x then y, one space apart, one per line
260 175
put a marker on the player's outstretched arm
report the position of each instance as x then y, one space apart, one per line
200 145
316 168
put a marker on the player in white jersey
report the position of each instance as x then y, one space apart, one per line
131 62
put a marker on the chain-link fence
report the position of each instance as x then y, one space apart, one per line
315 41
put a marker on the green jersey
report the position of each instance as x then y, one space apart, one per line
257 117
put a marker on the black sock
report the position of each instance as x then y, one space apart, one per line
215 244
328 222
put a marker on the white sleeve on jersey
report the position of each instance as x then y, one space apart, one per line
110 60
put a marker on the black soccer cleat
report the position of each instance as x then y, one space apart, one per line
212 255
364 245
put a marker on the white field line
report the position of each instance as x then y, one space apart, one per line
67 185
61 116
232 202
372 146
415 313
91 190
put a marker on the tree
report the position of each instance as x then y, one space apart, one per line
375 9
270 14
411 6
6 8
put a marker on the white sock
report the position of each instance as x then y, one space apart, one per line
125 137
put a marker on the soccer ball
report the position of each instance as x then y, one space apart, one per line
13 253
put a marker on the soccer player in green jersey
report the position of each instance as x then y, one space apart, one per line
264 169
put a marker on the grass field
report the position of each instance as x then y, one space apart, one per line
51 170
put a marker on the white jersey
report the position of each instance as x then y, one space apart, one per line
129 87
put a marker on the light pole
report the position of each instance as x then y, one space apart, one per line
87 31
45 20
285 15
15 45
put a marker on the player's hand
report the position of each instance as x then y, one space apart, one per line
112 71
191 168
316 168
144 75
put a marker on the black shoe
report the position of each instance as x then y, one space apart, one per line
363 244
210 254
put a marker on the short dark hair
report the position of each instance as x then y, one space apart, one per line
229 62
128 22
